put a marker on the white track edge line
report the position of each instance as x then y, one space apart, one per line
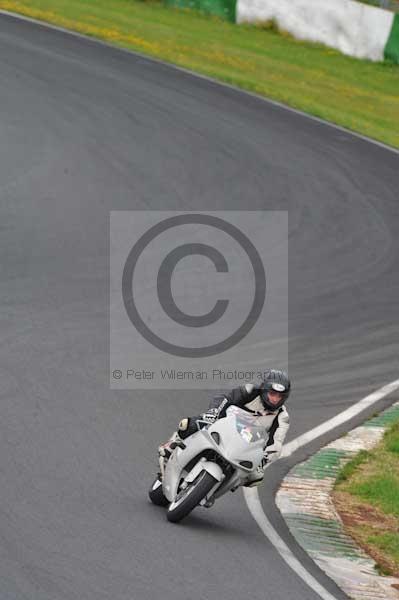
252 499
205 77
339 419
255 508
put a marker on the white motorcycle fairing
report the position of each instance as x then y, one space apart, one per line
236 441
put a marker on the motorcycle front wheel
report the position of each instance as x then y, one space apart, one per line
189 498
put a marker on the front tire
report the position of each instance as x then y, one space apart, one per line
189 498
156 493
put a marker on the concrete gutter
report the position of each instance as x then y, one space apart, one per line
305 502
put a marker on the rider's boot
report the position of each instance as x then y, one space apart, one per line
165 450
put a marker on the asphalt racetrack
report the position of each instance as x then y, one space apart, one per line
85 129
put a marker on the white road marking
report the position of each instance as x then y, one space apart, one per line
201 76
251 495
341 418
255 507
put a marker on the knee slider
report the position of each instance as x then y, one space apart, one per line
183 425
186 428
254 483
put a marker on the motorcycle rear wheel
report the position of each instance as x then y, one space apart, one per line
156 493
189 498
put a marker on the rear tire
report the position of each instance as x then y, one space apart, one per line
156 493
188 499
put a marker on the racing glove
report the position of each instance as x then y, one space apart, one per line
211 415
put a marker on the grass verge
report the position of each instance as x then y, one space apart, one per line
366 495
359 95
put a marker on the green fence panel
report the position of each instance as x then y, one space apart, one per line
392 47
226 9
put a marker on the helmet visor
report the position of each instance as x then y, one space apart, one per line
278 387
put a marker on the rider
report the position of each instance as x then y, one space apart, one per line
265 400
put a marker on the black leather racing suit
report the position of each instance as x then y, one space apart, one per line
247 397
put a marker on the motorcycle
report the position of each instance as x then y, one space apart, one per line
216 459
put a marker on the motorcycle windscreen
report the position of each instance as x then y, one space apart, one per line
246 425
